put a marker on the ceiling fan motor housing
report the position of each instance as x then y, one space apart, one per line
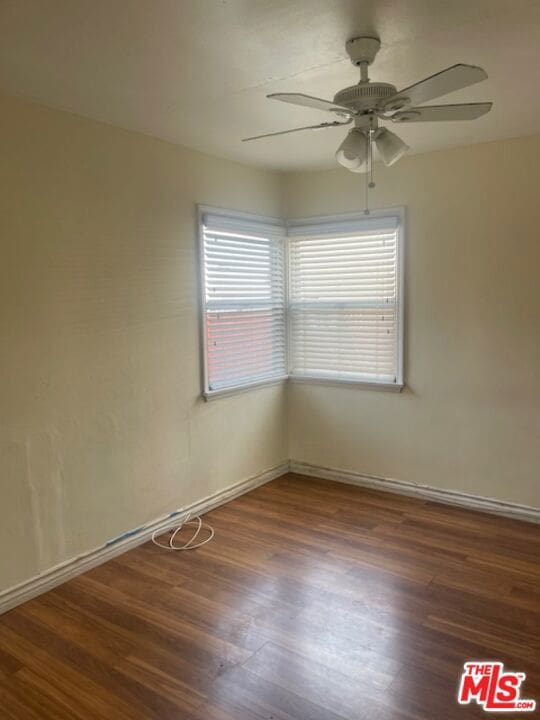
365 97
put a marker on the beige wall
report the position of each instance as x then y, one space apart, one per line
469 419
101 426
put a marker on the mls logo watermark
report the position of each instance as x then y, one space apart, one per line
496 690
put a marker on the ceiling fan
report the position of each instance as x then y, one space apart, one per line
368 102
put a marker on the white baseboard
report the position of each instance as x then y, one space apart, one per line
427 492
59 574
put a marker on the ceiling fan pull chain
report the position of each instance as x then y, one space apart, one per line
366 183
371 181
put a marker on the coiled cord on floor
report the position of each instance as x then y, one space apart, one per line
190 544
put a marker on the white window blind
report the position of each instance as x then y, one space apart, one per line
243 268
345 299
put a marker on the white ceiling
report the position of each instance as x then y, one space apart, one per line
196 72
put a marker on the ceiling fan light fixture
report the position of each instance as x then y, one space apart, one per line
363 168
352 151
391 148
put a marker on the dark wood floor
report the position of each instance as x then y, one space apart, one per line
315 601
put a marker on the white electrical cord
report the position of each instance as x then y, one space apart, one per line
190 544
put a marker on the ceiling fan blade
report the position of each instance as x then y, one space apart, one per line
336 123
436 113
311 102
447 81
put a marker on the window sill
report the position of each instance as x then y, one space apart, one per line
335 382
342 382
209 395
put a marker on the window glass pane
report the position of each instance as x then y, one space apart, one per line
344 301
343 317
244 296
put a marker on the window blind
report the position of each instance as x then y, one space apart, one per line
344 300
244 300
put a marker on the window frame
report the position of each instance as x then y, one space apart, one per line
332 223
278 223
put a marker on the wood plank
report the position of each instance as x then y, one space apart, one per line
315 601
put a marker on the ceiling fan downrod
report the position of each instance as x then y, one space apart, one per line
364 71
